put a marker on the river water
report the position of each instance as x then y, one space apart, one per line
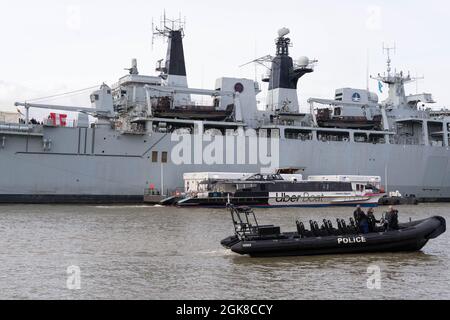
142 252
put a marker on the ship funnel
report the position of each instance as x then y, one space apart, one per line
282 94
175 67
175 64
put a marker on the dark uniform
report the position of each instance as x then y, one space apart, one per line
372 221
361 220
392 220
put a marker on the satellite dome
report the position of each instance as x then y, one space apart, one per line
303 62
283 32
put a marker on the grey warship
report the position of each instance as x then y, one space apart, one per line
126 151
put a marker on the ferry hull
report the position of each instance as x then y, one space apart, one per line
277 202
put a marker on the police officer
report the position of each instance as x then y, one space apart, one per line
372 220
392 219
361 220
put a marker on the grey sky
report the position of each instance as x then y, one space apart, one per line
57 46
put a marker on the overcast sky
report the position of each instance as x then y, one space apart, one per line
58 46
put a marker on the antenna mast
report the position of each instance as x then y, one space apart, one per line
388 51
167 25
368 71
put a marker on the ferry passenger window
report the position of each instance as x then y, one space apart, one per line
164 157
155 156
337 111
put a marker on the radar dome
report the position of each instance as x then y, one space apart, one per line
283 32
303 62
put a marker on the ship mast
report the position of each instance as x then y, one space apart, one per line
396 83
174 71
284 76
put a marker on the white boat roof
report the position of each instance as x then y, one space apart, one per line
349 178
214 175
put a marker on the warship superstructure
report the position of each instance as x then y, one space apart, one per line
127 151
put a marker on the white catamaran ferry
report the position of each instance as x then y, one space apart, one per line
277 190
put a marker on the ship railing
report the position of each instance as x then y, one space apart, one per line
152 192
15 127
169 192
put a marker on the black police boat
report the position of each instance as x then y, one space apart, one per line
268 241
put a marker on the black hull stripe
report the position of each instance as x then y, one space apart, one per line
69 199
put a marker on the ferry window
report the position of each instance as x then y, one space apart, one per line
337 111
155 156
164 157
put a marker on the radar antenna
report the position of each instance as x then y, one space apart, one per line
167 25
261 61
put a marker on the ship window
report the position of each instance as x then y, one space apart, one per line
361 138
164 157
155 156
377 138
298 134
333 136
337 111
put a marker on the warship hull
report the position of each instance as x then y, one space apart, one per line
90 165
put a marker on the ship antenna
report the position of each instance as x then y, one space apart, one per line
368 71
153 34
388 51
167 25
